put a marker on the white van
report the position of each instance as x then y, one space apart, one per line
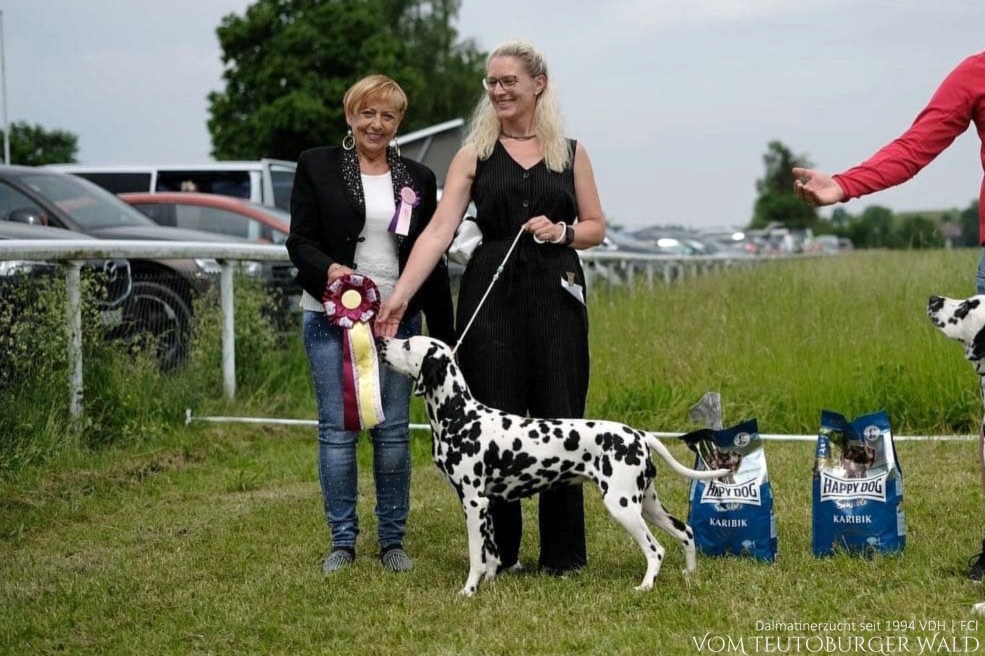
265 181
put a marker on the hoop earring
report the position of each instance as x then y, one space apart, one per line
396 145
348 141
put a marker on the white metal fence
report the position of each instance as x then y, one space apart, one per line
601 267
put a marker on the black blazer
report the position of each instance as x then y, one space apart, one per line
326 223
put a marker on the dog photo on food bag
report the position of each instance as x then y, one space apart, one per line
486 454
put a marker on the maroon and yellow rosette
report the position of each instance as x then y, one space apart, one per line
351 301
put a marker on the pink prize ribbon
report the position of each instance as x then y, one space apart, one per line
351 301
400 224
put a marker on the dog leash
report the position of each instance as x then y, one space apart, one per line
482 300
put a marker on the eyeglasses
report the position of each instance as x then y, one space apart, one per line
505 81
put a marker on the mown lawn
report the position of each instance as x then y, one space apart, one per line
207 539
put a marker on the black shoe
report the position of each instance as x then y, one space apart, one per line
340 558
563 570
395 559
976 566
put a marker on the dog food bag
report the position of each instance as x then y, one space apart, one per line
858 487
733 515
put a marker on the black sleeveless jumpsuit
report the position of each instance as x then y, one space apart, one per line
527 350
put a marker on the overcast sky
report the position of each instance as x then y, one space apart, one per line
675 100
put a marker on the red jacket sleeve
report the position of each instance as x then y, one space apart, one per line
948 114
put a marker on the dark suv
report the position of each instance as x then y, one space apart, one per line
160 302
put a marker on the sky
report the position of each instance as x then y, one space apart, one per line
675 101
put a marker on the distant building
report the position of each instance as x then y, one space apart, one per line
434 146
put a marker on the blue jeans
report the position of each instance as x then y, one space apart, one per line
337 470
980 275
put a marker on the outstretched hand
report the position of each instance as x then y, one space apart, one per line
388 318
816 188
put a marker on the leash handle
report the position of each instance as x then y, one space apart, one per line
482 300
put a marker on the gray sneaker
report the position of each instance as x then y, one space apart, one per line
396 560
338 559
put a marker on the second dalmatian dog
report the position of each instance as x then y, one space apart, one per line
488 454
963 319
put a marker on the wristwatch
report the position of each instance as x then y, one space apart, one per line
569 235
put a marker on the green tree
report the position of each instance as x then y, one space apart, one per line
289 62
777 202
916 232
32 145
876 225
840 218
969 226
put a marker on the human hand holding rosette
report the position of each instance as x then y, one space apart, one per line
351 301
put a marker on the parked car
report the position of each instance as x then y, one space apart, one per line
160 304
235 218
624 242
675 241
224 215
265 181
113 274
22 280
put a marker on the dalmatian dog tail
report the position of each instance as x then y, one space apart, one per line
655 445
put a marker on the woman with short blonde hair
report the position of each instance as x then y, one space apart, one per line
345 207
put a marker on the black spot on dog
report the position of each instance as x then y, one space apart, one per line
606 467
573 441
965 308
976 350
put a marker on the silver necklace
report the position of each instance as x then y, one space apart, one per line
527 137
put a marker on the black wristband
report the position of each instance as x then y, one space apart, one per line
569 235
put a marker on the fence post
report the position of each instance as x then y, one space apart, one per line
73 316
228 327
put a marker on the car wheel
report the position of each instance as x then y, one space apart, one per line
158 317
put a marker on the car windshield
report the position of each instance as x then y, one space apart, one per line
89 205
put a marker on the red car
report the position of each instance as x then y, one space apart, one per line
234 217
224 215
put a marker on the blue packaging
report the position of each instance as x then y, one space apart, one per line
733 515
858 487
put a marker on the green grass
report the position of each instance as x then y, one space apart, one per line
207 539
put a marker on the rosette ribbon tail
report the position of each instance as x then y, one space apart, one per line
350 303
363 405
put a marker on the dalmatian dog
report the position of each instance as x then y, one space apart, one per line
964 320
489 454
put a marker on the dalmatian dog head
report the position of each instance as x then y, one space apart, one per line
428 361
962 320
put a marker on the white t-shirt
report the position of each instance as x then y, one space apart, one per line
376 254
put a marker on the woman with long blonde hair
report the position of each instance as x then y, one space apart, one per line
527 350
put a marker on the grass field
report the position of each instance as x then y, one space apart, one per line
208 539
